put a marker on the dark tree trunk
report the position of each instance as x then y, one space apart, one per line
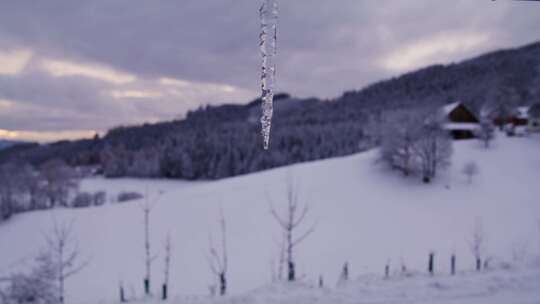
222 284
321 282
478 264
386 271
291 274
122 296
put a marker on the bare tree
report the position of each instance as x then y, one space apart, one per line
33 184
477 243
289 223
398 136
63 253
36 286
167 267
59 179
486 132
146 207
470 170
218 258
434 149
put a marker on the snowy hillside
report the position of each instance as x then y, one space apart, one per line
364 214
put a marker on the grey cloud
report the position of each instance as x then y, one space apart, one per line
325 47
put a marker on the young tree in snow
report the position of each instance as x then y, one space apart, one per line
146 207
486 133
470 170
63 254
60 179
290 222
434 149
399 134
344 275
277 270
218 258
477 243
36 286
166 268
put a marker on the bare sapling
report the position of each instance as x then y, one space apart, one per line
294 216
218 258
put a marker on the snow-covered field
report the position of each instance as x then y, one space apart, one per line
364 214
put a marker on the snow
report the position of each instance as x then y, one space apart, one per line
522 112
364 214
460 126
513 285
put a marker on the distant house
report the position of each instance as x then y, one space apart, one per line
460 121
534 118
517 122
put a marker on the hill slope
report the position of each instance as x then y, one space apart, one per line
364 215
224 141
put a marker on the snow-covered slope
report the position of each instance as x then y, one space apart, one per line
364 214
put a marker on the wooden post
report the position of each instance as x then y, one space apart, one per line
164 292
453 264
146 286
431 263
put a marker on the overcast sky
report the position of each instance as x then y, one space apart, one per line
72 68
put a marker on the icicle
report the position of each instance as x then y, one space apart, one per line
268 39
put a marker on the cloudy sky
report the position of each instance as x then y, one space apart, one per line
72 68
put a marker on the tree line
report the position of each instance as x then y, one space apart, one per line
213 142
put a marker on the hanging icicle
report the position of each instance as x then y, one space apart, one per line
269 17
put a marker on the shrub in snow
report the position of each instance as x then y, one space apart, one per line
470 170
486 133
415 141
129 196
36 286
59 179
400 132
82 199
477 244
433 149
99 198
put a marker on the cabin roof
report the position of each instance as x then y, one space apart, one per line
447 109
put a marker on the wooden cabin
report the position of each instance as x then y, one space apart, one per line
460 121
